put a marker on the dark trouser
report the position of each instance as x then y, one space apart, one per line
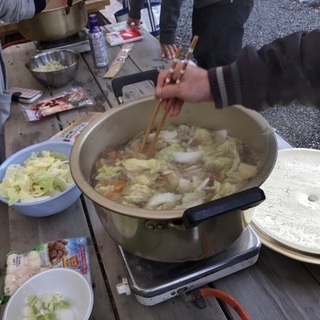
220 28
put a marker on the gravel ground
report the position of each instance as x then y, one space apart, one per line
271 19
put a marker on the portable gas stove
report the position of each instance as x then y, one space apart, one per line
78 42
153 282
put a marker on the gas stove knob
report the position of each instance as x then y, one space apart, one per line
123 287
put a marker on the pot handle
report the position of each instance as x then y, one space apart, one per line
120 82
69 5
238 201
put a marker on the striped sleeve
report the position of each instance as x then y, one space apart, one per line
279 73
225 86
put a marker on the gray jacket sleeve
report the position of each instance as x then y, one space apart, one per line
169 15
135 8
278 74
16 10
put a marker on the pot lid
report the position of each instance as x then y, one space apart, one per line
290 215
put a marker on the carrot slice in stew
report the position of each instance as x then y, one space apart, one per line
113 196
119 185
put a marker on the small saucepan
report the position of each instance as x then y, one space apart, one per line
58 20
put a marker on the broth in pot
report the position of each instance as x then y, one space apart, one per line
190 165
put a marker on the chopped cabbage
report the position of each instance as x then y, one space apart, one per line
137 193
220 135
108 172
47 307
41 176
188 157
137 165
167 154
247 171
50 66
219 163
203 135
146 178
193 198
190 165
226 189
170 136
162 198
184 185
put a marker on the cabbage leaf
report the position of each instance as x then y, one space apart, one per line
40 177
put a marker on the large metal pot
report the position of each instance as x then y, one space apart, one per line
173 235
57 21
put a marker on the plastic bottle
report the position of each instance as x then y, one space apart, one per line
97 43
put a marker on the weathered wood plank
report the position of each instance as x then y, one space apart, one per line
41 130
276 287
21 233
27 232
4 233
314 270
142 58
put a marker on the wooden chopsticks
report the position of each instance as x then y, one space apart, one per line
156 110
168 106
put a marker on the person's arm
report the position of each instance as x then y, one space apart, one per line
285 70
169 15
134 14
194 87
16 10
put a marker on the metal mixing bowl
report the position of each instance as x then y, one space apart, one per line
54 78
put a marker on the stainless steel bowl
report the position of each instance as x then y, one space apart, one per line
55 78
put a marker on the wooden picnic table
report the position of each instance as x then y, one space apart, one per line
275 287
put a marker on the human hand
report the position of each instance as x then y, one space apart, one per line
194 87
168 50
134 22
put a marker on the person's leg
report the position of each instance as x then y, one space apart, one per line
220 27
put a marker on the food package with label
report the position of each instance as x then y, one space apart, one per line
66 253
119 60
71 132
125 35
75 98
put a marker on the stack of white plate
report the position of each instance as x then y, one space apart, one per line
288 221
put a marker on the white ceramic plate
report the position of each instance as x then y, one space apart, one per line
286 251
290 215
